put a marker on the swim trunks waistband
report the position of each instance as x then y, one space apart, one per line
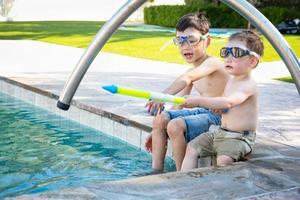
241 132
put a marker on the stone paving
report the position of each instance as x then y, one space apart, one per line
271 173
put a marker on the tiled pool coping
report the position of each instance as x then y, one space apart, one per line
117 126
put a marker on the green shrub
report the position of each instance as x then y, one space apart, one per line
290 4
224 17
277 14
164 15
220 16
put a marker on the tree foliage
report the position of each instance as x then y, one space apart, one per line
294 4
220 16
5 7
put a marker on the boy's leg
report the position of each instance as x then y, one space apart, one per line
188 126
201 146
176 129
159 141
159 138
190 160
224 160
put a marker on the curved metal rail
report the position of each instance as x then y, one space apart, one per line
241 6
93 49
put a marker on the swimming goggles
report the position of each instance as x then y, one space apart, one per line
236 52
191 40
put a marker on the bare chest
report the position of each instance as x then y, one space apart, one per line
209 86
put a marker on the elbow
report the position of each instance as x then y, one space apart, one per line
187 80
228 105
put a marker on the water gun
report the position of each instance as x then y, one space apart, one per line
160 97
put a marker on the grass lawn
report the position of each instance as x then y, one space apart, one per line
131 43
286 79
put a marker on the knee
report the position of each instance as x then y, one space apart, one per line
160 121
175 127
191 152
224 160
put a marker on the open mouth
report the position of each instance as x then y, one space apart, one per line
228 67
188 55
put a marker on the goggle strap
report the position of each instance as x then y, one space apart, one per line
203 37
254 54
166 45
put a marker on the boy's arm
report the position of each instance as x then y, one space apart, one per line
155 108
226 102
186 91
207 67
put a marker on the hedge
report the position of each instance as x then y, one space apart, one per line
220 16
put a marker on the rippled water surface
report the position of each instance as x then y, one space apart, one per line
41 151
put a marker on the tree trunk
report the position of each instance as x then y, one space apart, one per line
250 26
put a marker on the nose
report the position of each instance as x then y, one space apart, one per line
229 59
184 45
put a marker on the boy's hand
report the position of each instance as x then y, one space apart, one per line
190 102
218 111
154 108
148 143
176 107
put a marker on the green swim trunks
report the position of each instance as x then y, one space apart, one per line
218 141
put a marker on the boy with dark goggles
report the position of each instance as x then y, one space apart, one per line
236 52
191 40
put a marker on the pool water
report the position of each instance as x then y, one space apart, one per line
41 151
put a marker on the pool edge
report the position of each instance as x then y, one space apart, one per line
112 124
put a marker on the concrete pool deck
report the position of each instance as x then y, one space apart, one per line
273 171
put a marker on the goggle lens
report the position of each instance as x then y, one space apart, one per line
191 40
234 51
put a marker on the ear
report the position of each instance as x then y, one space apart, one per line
207 42
254 62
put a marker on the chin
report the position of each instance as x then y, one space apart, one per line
228 70
190 61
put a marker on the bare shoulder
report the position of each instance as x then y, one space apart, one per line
213 61
251 82
206 69
249 86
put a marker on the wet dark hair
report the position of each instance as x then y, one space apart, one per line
252 40
193 20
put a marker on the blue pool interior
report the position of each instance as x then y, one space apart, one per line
41 151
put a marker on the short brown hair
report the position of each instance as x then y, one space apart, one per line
252 40
193 20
